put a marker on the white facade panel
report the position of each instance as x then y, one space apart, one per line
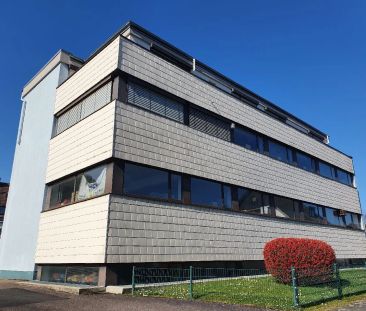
74 234
87 76
19 235
87 142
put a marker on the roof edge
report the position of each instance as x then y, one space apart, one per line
61 56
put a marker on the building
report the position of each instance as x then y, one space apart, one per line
156 159
27 183
4 188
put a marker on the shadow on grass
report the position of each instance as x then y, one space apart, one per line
346 292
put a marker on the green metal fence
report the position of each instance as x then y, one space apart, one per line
295 288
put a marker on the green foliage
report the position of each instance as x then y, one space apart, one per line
261 291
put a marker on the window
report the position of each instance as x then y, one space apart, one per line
304 161
356 221
62 193
284 207
145 181
176 187
153 101
260 144
348 220
86 185
227 197
250 201
325 170
290 158
91 183
83 109
209 124
344 177
205 192
277 151
245 138
312 212
332 216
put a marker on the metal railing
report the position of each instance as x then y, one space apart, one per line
281 290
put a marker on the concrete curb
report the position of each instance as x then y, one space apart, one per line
71 289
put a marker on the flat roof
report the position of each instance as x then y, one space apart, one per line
240 92
61 56
247 94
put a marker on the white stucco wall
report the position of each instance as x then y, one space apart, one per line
19 236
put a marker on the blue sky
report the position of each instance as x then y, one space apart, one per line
306 56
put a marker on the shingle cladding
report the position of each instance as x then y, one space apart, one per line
148 67
143 231
147 138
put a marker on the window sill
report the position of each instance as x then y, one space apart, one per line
73 203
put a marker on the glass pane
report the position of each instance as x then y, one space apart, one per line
289 155
91 183
176 186
332 216
304 161
277 151
260 144
227 196
62 193
312 212
356 221
349 220
266 207
205 192
343 177
284 207
145 181
54 201
325 170
250 200
245 138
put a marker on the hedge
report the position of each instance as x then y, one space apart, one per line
312 259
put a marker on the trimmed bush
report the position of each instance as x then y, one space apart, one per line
312 259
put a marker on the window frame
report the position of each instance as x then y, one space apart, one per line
107 187
147 197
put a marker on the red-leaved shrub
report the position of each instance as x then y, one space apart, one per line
312 259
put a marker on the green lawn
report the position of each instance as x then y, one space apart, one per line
263 291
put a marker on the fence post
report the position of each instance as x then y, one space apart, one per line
133 280
65 277
191 282
294 287
338 280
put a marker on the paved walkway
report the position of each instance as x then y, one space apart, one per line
356 306
14 296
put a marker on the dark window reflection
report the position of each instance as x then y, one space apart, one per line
312 212
325 170
304 161
284 207
332 216
245 138
277 151
145 181
227 196
205 192
250 201
344 177
62 193
176 186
